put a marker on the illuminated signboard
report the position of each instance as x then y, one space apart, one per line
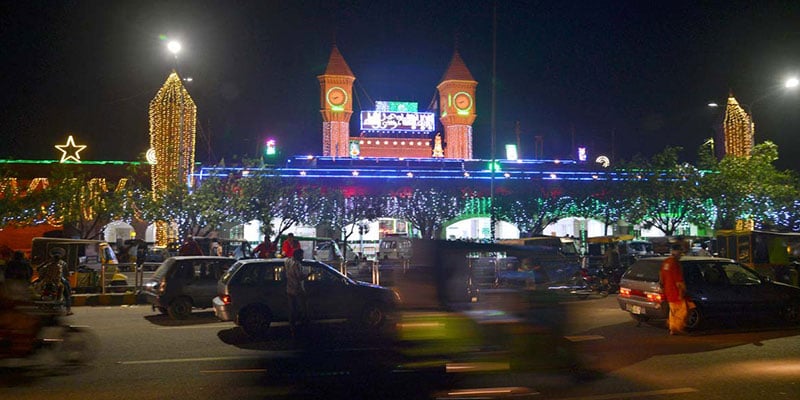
582 154
396 106
511 152
397 121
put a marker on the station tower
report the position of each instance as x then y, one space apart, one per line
336 105
457 108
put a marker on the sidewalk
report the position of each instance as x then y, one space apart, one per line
108 299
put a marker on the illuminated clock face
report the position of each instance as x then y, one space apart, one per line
337 96
462 101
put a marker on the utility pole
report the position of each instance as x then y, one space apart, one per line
519 143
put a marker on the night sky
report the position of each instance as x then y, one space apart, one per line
641 72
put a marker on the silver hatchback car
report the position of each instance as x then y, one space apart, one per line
720 289
253 294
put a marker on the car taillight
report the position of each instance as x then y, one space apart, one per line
653 297
226 299
624 292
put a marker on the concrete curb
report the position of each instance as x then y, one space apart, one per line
79 300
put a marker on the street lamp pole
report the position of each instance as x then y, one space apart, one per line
492 213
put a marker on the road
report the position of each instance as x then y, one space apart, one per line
144 355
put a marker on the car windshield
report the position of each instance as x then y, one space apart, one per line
230 272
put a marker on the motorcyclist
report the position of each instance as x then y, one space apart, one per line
53 272
17 329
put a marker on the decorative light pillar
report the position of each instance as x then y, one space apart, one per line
173 117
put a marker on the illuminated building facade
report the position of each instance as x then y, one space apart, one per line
738 130
173 117
336 105
457 108
396 129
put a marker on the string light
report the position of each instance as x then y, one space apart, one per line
738 127
173 117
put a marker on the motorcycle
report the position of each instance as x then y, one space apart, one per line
584 284
59 342
49 296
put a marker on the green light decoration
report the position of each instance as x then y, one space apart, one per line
496 166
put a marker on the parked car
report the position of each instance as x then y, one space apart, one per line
253 294
185 282
720 289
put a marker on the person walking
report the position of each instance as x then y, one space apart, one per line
190 247
295 292
674 289
265 249
289 245
704 250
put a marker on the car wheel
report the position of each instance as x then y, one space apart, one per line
180 308
255 321
694 318
373 316
791 312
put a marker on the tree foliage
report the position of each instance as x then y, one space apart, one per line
427 209
744 188
534 209
668 192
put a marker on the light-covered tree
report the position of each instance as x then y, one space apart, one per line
534 208
668 192
427 209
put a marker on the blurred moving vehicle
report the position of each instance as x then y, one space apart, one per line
185 282
85 260
719 288
253 294
539 262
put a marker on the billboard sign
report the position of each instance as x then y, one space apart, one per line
388 121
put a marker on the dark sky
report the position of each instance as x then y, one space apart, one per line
641 72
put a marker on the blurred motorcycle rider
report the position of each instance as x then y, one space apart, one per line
16 327
53 271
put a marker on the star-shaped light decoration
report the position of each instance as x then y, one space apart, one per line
70 150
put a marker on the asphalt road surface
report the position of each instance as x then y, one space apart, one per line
144 355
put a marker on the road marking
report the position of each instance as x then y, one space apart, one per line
584 338
226 371
202 326
187 360
631 395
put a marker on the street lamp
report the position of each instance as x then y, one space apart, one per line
174 47
791 83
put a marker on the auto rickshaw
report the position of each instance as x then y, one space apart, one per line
86 260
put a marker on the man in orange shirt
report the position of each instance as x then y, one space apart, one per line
289 245
674 290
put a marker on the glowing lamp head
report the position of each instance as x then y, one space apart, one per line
174 47
270 149
792 82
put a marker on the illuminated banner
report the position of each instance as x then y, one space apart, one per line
396 106
397 121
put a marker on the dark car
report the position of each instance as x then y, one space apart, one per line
185 282
253 294
720 289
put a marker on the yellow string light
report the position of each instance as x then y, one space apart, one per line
173 117
739 128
